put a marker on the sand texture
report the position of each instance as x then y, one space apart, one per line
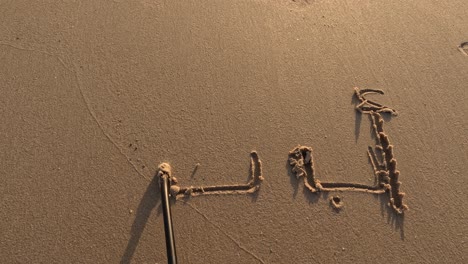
281 146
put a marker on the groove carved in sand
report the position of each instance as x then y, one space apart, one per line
463 48
251 186
381 158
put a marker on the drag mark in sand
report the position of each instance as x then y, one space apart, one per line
85 99
75 71
93 115
224 232
251 186
382 160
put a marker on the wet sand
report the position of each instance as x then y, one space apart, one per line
95 95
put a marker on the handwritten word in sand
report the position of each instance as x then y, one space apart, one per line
252 186
381 158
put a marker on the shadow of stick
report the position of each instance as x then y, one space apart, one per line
150 200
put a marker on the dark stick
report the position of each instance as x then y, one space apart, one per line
170 243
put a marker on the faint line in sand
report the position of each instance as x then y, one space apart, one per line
101 127
83 96
38 51
224 232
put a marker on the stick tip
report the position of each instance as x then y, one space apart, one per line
164 168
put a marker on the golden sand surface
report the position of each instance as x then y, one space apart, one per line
95 95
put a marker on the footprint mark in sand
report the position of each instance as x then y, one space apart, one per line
463 47
381 158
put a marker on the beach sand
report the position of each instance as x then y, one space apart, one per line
96 94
